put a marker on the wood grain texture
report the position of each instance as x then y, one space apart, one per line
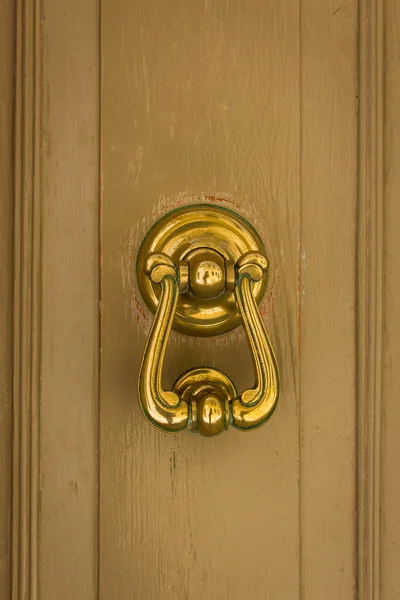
70 288
7 59
199 102
389 557
327 308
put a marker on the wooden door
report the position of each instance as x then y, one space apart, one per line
287 113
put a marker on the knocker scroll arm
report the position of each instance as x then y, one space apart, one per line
255 406
164 409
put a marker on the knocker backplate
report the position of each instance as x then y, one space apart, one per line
178 234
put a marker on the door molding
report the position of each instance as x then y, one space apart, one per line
56 216
27 302
369 296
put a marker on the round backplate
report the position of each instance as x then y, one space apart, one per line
186 229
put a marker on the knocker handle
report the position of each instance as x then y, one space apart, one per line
204 400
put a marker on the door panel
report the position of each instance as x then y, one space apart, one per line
204 103
327 299
70 302
198 104
285 112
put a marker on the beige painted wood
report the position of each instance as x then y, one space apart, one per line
369 297
327 299
253 107
234 100
70 301
198 100
26 320
7 57
390 425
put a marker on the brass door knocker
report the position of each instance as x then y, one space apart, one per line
202 269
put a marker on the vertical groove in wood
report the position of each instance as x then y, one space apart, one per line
27 307
7 67
299 297
369 296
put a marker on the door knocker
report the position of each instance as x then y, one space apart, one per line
202 270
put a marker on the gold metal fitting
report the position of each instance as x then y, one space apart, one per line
203 270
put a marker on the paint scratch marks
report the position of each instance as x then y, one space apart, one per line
73 486
135 168
172 464
301 283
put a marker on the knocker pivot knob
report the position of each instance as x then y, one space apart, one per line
209 273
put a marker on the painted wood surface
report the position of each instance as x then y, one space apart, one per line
254 108
389 475
369 323
328 159
70 302
7 49
288 113
26 320
198 103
